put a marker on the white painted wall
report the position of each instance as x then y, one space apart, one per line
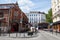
55 9
36 17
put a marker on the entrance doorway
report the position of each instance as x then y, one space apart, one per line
14 27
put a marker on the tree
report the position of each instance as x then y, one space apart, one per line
49 16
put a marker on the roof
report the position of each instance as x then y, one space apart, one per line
37 12
8 5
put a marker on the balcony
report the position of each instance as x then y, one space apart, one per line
56 14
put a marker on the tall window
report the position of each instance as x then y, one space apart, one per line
0 23
56 1
34 15
15 13
1 14
30 15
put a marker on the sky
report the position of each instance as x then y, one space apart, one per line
31 5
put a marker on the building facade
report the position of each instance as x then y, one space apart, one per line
56 14
12 17
56 10
36 17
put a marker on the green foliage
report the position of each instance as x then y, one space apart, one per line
49 16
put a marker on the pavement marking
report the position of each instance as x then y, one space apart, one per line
52 35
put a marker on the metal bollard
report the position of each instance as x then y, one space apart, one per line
0 31
56 32
16 34
52 31
9 33
24 34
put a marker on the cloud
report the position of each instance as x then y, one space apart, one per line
44 10
25 8
29 5
25 5
25 2
7 1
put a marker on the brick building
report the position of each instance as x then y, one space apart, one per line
11 16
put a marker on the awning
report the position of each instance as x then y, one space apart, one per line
55 23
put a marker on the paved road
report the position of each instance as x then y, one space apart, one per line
41 36
48 36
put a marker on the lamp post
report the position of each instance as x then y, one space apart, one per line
8 21
39 21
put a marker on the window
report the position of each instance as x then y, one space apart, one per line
1 14
30 15
34 15
55 9
32 18
56 1
15 13
58 6
0 23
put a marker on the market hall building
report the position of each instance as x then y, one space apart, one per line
12 18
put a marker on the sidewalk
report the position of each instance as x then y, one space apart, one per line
19 35
53 33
